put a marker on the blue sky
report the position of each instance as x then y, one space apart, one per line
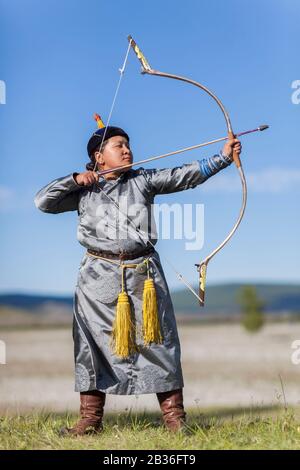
59 61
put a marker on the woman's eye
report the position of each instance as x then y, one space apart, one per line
121 145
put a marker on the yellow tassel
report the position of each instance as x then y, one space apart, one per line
151 327
123 330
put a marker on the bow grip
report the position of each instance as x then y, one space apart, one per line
202 282
235 156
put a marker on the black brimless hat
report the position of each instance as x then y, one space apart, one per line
97 137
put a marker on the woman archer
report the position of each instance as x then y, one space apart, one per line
124 328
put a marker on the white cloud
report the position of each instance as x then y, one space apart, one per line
6 197
15 199
269 180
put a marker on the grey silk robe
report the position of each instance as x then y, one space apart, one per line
102 226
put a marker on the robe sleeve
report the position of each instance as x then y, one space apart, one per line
170 180
61 195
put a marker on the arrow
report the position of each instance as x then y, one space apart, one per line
130 165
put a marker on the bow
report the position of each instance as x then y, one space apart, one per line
147 69
202 266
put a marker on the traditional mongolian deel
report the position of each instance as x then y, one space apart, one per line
104 227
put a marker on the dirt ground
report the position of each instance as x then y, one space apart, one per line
222 365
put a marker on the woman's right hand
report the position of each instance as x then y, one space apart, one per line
87 178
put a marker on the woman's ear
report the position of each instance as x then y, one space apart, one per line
99 158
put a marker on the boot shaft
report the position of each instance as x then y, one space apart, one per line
92 404
171 405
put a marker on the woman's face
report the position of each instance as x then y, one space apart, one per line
115 153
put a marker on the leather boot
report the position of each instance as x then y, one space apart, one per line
91 414
171 405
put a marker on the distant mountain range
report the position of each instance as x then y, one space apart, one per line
223 299
220 300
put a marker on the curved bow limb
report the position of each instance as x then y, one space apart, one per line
202 267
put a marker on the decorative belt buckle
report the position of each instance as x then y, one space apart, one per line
141 267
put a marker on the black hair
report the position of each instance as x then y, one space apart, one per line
91 165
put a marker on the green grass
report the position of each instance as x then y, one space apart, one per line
255 428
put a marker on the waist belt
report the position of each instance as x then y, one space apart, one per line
124 255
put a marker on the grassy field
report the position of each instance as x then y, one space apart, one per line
241 392
218 429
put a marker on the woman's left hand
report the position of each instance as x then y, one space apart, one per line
232 144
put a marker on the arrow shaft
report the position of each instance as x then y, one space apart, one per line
176 152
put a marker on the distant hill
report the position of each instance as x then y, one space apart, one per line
220 300
34 302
